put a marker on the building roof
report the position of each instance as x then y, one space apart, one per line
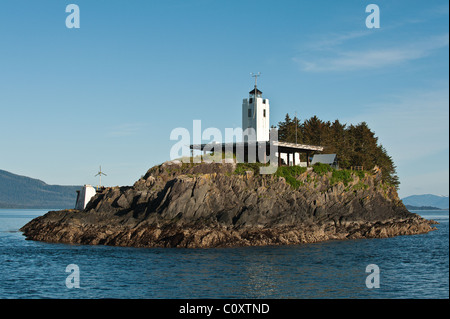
257 91
282 146
324 159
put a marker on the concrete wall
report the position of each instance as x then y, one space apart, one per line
84 196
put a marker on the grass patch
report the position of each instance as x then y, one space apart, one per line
360 174
290 174
321 169
343 175
242 168
360 186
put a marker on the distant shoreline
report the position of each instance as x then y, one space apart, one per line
10 206
411 207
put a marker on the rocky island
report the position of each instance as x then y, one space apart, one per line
206 205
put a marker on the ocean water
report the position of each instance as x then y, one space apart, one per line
409 267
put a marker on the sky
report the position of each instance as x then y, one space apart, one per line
110 92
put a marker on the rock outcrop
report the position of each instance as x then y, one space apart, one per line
210 205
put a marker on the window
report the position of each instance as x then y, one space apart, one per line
264 101
249 112
250 100
264 112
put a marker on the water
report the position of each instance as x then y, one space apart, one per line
410 267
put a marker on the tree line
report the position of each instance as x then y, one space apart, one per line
355 145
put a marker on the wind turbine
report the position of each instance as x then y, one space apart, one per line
100 173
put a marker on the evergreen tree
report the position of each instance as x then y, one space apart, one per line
355 145
287 130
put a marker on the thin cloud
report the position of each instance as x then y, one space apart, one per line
330 41
413 125
373 58
126 129
440 10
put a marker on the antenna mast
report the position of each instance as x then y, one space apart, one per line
255 75
296 125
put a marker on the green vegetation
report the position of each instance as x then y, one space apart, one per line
360 186
290 174
290 170
321 169
343 175
242 168
360 174
355 145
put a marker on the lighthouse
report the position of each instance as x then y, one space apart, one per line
255 115
256 144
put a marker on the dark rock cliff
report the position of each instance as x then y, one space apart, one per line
209 205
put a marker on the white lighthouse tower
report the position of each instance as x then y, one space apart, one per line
255 115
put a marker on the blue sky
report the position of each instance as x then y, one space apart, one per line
110 92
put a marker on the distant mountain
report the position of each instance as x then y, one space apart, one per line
24 192
410 207
427 200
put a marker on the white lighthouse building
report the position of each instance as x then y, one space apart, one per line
256 136
255 115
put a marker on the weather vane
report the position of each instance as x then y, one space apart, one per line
255 75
